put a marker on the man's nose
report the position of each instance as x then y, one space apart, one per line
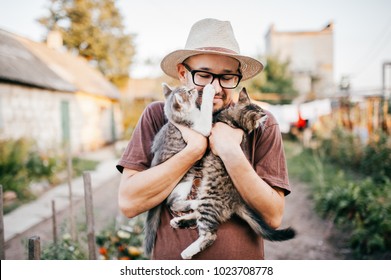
216 85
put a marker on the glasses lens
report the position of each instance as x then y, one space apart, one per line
202 78
229 81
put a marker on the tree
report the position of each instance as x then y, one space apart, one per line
94 30
275 79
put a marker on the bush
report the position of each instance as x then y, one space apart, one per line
80 165
354 202
347 150
343 148
21 163
364 207
376 159
14 156
65 249
123 244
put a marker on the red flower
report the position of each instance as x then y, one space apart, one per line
103 251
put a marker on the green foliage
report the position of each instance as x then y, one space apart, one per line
80 165
372 159
15 156
113 244
275 78
376 158
343 148
94 29
65 249
362 205
123 244
21 163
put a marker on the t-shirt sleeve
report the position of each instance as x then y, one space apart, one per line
137 155
269 156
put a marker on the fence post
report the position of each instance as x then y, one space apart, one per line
34 248
2 242
89 216
71 210
54 224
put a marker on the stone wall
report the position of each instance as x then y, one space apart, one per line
38 114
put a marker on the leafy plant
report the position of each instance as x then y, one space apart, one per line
65 249
94 30
362 205
376 159
14 156
80 165
122 244
276 79
22 163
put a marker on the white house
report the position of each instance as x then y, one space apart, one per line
54 97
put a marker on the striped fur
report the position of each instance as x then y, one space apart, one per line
180 107
217 198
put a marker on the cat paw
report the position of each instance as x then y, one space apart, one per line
174 223
209 90
186 256
190 251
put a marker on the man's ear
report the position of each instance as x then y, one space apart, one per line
181 72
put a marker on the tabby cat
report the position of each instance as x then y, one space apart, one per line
181 107
217 198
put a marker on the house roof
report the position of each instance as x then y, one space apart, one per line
31 63
19 65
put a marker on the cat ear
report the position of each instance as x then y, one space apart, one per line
262 120
177 102
243 97
166 90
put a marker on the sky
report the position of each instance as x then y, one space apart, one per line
362 28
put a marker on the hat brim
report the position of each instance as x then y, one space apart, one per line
249 67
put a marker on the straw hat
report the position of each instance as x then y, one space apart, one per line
211 36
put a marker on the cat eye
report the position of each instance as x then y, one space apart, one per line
202 78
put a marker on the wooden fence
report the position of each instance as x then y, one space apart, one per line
372 113
34 242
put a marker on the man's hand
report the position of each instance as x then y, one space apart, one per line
224 139
195 141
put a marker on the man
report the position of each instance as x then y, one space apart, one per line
212 49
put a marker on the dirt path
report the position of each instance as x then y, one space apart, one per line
316 239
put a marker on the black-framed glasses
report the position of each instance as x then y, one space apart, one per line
202 78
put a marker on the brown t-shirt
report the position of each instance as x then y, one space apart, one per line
235 240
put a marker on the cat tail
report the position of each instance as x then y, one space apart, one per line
262 228
151 225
